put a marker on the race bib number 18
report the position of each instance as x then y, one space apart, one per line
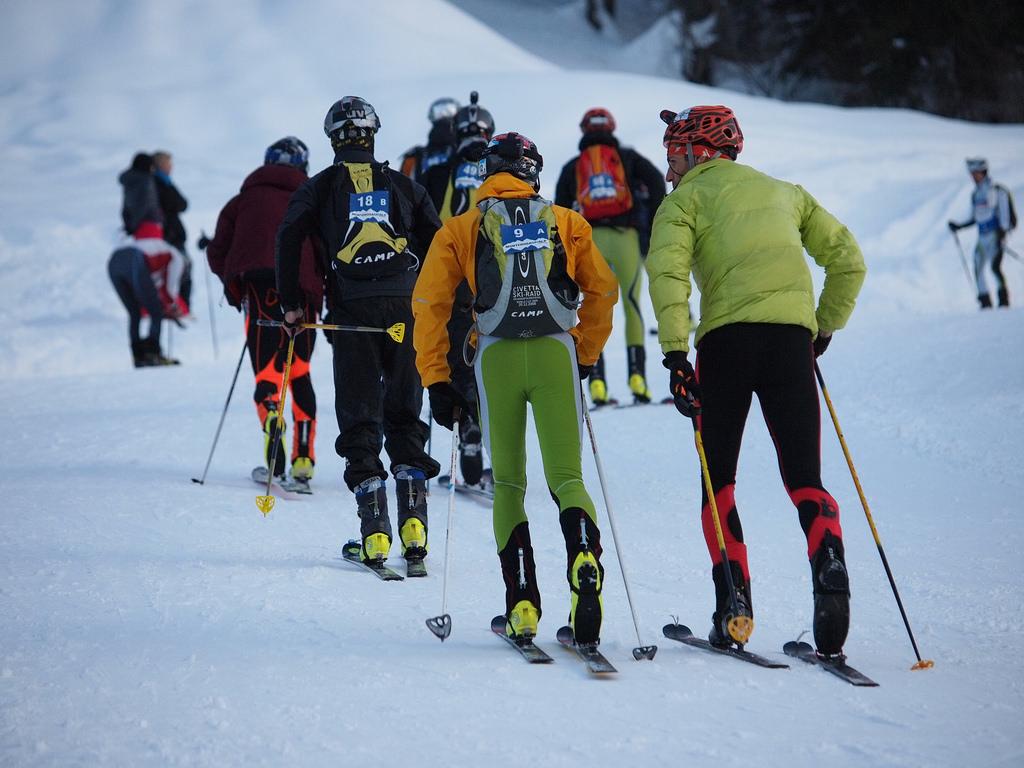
369 206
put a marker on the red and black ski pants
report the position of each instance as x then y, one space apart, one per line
268 349
776 363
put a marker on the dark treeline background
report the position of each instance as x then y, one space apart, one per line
959 58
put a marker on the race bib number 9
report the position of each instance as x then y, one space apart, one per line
523 238
602 186
369 206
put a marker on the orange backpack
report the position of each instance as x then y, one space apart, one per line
601 187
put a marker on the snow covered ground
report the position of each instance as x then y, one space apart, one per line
147 620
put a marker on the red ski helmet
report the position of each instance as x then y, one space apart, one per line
597 120
712 126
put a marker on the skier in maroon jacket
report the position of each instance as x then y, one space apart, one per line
241 254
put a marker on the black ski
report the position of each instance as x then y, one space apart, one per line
608 404
350 552
286 484
415 568
682 633
837 665
524 645
592 657
482 490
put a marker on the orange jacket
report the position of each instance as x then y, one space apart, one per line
452 258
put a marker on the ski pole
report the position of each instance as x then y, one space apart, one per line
203 242
223 413
740 627
963 259
921 663
1012 252
265 503
396 331
441 625
641 651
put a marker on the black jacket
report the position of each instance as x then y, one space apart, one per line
646 184
172 203
439 177
320 208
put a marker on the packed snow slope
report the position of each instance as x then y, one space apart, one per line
148 620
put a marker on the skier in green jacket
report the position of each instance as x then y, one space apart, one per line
742 235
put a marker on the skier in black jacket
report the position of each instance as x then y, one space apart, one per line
375 225
440 141
618 191
452 186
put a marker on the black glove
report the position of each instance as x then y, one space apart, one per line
203 241
585 371
445 400
292 327
953 226
821 342
682 382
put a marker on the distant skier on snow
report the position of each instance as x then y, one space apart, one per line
617 190
742 236
440 141
241 254
173 204
992 210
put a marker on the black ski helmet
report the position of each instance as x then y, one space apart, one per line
444 108
351 117
473 120
512 153
288 151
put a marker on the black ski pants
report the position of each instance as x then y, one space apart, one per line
378 394
129 273
775 362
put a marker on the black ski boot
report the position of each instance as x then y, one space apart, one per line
374 524
719 634
831 596
471 452
585 574
522 597
985 301
273 433
411 494
1004 297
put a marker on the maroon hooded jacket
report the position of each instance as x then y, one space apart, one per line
247 228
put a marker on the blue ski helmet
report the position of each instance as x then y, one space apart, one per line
288 151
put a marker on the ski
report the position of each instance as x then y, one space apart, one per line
682 633
837 666
286 484
350 553
415 568
482 490
524 645
610 404
592 657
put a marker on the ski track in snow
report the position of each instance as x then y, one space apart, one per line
147 620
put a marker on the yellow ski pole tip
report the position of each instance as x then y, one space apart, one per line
397 332
741 628
264 504
923 664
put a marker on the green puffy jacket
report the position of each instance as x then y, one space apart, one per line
743 236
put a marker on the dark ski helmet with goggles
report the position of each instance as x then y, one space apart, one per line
351 121
515 154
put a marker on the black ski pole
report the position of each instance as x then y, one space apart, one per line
963 259
921 663
216 435
203 242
